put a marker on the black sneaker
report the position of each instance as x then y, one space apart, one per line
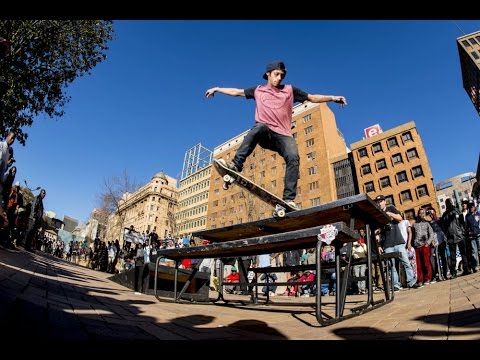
415 286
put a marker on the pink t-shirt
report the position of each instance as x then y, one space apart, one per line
274 108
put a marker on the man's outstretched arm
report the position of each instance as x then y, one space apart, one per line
226 91
325 98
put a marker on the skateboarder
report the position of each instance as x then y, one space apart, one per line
273 120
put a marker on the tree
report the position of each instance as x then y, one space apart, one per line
45 56
112 197
113 190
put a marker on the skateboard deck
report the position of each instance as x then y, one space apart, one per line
233 177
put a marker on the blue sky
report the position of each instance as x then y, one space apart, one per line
127 114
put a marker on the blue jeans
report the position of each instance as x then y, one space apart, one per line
406 265
284 145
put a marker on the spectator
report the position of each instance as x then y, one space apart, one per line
422 241
472 223
35 221
5 162
439 262
271 288
359 251
233 277
391 240
454 228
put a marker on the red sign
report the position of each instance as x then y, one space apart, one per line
372 131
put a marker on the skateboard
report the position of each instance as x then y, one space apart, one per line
232 177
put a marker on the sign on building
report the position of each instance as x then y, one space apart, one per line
372 130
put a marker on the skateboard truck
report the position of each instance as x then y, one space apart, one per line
227 181
279 211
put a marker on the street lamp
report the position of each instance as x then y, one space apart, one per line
32 190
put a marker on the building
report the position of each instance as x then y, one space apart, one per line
193 202
69 223
319 142
96 226
193 192
469 53
456 188
152 207
394 163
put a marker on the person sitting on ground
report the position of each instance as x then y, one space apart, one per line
270 278
291 290
233 277
307 289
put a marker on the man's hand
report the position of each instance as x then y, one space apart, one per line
340 100
210 92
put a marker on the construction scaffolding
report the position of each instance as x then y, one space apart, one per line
196 158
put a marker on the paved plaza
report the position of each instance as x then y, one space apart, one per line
49 298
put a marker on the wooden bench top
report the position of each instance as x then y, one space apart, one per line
360 209
292 240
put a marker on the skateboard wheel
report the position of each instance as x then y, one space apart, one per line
279 213
227 178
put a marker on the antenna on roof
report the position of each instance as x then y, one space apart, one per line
459 28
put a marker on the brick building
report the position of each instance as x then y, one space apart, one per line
394 163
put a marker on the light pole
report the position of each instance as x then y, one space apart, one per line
32 190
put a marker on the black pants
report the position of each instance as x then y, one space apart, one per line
31 235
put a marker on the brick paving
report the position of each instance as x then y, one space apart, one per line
51 299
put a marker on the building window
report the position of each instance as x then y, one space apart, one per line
392 142
466 43
401 177
315 202
397 159
422 191
389 200
314 185
407 136
381 164
406 195
412 154
310 142
362 152
312 170
417 171
312 155
274 184
366 169
369 187
307 118
475 55
308 129
472 41
385 182
294 124
377 147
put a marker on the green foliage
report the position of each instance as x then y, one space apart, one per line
28 195
45 57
